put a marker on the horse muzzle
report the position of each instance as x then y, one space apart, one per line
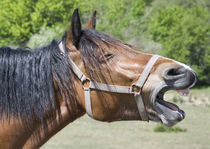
176 78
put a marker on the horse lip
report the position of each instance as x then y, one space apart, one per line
182 83
159 92
163 109
167 112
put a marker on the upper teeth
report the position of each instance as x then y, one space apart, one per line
184 92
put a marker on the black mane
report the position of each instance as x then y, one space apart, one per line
27 76
26 81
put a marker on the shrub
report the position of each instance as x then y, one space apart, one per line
185 35
45 36
15 21
121 18
22 18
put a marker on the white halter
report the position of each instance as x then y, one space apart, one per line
114 88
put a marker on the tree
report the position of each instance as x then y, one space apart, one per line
185 36
22 18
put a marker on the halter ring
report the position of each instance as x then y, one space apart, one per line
136 89
86 84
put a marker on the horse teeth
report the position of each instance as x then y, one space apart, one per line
184 92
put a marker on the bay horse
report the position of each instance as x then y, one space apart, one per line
45 89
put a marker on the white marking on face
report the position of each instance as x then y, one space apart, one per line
182 64
185 66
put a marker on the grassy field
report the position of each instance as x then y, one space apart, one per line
86 133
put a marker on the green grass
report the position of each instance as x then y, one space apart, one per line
202 91
177 99
86 133
162 128
196 97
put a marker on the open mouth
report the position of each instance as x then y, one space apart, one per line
179 79
168 113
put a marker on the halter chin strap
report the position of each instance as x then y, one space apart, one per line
134 89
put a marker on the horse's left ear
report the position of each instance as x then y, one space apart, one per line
92 22
74 31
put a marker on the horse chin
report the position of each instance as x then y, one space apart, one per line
166 112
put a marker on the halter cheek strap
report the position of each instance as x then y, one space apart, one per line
134 89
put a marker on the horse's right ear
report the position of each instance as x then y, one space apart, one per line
74 31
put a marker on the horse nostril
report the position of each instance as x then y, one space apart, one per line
174 73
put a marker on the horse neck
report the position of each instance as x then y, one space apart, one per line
68 113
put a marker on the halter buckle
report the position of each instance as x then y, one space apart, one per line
86 84
136 89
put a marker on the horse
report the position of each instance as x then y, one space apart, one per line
44 89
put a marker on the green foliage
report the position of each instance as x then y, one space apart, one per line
138 8
45 36
162 128
185 35
22 18
113 18
50 13
121 17
15 20
177 99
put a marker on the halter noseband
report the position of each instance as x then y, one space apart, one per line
134 89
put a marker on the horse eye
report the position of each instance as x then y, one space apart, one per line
108 56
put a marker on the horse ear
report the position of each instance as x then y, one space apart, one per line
74 31
92 22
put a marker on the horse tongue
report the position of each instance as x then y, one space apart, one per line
184 92
169 105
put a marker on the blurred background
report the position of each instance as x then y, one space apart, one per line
178 29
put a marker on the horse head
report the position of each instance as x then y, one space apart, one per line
106 60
